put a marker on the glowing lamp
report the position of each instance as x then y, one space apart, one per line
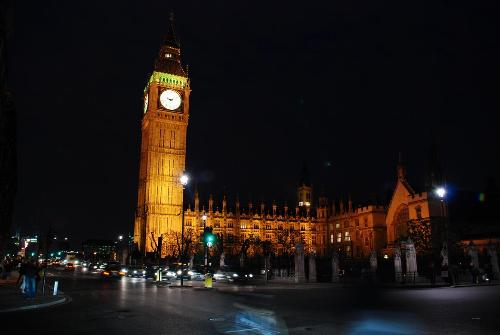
441 192
184 179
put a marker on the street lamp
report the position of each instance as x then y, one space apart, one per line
120 237
205 249
184 179
440 192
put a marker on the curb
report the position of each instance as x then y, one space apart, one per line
37 306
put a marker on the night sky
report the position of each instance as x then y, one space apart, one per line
342 85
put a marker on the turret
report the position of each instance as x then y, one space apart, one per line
211 204
304 191
224 204
196 201
237 206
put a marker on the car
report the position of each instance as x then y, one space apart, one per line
196 275
113 271
69 266
136 272
231 275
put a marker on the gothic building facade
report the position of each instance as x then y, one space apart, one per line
322 226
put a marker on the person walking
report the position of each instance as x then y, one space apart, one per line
30 279
22 270
7 268
432 272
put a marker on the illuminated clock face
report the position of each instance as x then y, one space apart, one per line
146 100
170 99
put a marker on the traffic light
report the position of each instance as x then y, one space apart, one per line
208 237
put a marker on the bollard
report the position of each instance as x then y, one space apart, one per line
208 281
56 285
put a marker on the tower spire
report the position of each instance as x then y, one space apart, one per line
169 57
170 38
401 168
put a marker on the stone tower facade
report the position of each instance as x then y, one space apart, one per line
163 147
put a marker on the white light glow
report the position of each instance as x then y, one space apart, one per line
441 192
184 179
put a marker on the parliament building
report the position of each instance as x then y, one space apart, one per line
318 223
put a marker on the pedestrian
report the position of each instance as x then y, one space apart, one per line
432 272
475 273
30 278
22 270
7 268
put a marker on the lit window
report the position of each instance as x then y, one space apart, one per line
168 55
337 225
339 237
347 236
331 238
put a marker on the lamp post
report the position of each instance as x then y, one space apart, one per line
441 194
184 179
205 249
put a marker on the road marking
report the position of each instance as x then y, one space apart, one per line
241 330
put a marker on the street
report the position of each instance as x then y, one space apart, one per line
134 306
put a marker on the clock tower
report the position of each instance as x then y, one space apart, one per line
163 146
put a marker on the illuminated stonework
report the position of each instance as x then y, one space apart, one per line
163 149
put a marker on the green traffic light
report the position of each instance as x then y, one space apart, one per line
210 240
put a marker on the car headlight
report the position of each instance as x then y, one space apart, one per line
190 273
144 272
135 271
250 275
124 270
95 266
235 275
179 272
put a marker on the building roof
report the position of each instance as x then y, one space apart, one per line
169 57
170 38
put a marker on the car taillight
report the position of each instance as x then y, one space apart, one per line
106 273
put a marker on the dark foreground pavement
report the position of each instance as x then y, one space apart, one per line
133 306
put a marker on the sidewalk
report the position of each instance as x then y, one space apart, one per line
11 298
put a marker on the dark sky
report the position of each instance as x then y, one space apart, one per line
343 85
